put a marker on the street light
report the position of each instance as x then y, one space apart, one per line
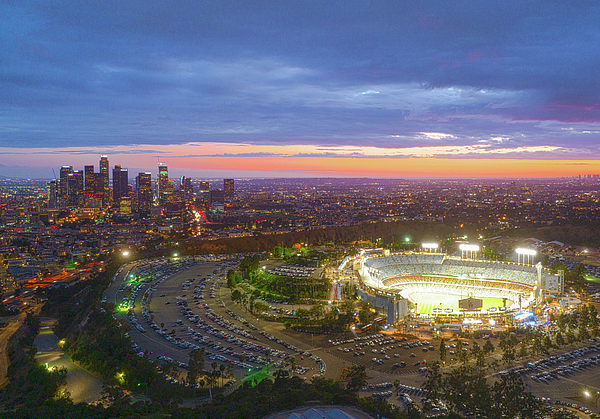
125 253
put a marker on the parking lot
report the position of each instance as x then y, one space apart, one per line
180 311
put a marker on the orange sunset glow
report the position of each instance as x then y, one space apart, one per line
390 167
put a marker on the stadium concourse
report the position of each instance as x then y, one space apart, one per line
435 282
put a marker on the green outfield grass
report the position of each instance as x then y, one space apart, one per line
431 301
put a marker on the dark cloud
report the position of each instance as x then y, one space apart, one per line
311 72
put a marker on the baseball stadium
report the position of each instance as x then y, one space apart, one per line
436 282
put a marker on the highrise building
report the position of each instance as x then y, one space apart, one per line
90 185
204 187
104 179
120 183
65 171
53 193
186 189
143 186
229 189
75 188
162 183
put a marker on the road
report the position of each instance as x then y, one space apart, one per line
12 326
81 384
5 334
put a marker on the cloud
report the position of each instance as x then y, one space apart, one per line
388 74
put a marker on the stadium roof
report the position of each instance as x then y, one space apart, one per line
322 414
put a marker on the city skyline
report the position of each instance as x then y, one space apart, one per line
426 89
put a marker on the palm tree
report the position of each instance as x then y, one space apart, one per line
214 366
222 369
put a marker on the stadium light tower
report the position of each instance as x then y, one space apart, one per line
468 250
430 247
525 253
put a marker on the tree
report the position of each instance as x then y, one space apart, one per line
293 365
488 347
236 295
213 374
443 350
479 355
261 307
358 378
317 310
222 368
396 384
433 386
365 313
302 313
512 400
195 365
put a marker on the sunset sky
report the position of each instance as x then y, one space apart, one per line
302 88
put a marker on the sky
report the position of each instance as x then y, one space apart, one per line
420 88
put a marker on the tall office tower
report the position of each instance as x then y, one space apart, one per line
186 189
169 192
75 188
162 183
90 186
104 179
52 189
204 187
120 183
143 185
63 189
229 189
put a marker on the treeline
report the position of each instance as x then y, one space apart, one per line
389 232
582 233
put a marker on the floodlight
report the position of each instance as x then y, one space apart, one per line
528 252
430 245
469 247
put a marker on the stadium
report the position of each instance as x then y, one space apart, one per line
435 282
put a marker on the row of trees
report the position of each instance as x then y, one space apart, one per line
466 391
198 375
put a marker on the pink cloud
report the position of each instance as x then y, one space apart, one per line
475 56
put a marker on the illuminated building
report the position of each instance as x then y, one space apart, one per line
120 183
229 189
125 206
162 183
75 189
104 179
52 190
186 189
143 186
65 171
